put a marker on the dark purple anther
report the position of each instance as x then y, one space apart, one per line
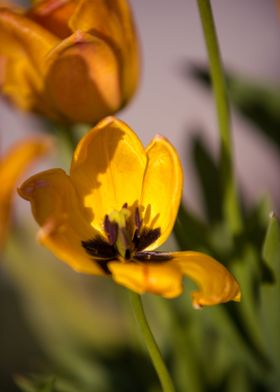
138 222
111 229
153 257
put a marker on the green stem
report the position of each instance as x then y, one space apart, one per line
152 347
230 202
67 134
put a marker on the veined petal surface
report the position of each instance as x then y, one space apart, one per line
162 188
24 45
97 16
113 21
57 210
53 15
83 80
22 37
19 35
216 284
108 168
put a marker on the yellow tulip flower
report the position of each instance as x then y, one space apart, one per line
119 204
12 165
70 60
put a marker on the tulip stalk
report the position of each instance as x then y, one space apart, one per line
230 199
151 344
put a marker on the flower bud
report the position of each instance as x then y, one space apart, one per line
70 60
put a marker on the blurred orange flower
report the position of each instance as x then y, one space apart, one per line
12 165
70 60
118 204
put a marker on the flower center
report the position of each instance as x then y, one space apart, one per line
126 238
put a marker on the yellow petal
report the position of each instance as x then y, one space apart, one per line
216 283
14 83
162 188
131 68
24 44
12 166
83 80
23 36
57 210
97 16
108 168
112 20
3 65
162 279
53 15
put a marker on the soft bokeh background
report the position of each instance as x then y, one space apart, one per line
169 102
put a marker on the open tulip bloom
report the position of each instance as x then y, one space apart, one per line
117 205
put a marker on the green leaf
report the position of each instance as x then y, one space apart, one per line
190 232
209 178
258 102
36 383
271 248
246 269
270 300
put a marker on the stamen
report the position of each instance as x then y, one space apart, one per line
138 222
99 248
147 237
126 238
111 229
153 257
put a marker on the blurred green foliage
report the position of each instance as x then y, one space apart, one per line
244 347
257 101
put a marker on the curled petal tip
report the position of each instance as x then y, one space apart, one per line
27 189
217 285
200 299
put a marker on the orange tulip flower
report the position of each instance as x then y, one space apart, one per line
71 60
119 204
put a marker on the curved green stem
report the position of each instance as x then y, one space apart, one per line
152 347
230 200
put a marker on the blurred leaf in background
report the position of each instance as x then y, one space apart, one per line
256 100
